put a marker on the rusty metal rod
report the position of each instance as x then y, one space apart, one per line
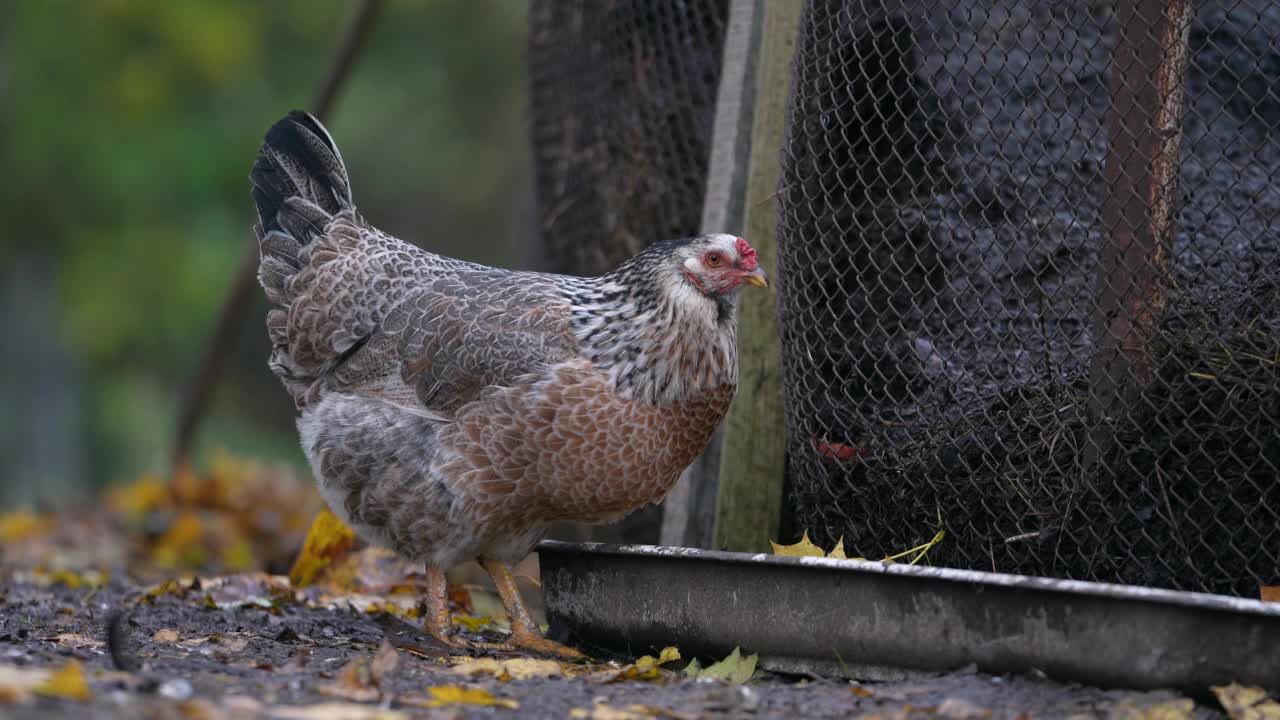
1148 73
198 391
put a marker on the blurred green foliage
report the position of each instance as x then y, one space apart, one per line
127 129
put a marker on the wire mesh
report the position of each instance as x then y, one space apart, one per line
622 99
984 332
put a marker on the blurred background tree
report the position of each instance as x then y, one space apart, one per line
127 129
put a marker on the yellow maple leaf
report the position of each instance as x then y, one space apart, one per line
473 623
327 540
1246 703
806 548
67 682
446 695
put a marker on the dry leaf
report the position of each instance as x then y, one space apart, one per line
17 684
67 682
166 635
804 548
1246 703
361 679
734 669
472 623
328 540
487 604
446 695
513 669
139 497
960 709
18 526
354 682
1269 593
384 662
646 667
601 711
334 711
76 641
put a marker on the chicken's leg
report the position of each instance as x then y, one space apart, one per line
438 620
524 632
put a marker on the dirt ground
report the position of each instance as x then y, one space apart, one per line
191 659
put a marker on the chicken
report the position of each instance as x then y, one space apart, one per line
452 411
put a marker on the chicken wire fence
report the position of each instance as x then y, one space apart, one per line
622 97
970 341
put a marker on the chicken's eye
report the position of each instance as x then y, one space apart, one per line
713 259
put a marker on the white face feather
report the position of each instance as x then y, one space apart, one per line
665 350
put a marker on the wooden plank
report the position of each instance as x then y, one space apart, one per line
752 454
688 518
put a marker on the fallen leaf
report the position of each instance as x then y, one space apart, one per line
512 669
838 450
446 695
197 709
362 679
1246 703
861 691
645 667
384 662
18 526
1269 593
354 682
328 540
66 682
166 635
334 711
255 589
487 604
76 641
17 684
601 711
956 708
804 548
734 669
139 497
473 623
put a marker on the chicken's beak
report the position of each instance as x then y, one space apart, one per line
757 278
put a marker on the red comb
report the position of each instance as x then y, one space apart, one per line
748 255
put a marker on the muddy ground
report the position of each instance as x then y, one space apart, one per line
190 660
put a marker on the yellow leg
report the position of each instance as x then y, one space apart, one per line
524 632
438 621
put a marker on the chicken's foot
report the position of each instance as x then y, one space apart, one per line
524 632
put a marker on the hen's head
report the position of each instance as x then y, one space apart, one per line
710 266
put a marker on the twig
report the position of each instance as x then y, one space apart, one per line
1024 536
196 394
118 641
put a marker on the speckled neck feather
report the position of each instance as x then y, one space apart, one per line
660 339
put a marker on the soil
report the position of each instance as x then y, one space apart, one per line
260 664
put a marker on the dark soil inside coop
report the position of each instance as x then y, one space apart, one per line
940 328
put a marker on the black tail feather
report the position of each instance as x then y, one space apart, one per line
299 179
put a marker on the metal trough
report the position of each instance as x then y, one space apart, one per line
822 614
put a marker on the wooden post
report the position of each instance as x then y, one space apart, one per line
752 451
1148 71
689 512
